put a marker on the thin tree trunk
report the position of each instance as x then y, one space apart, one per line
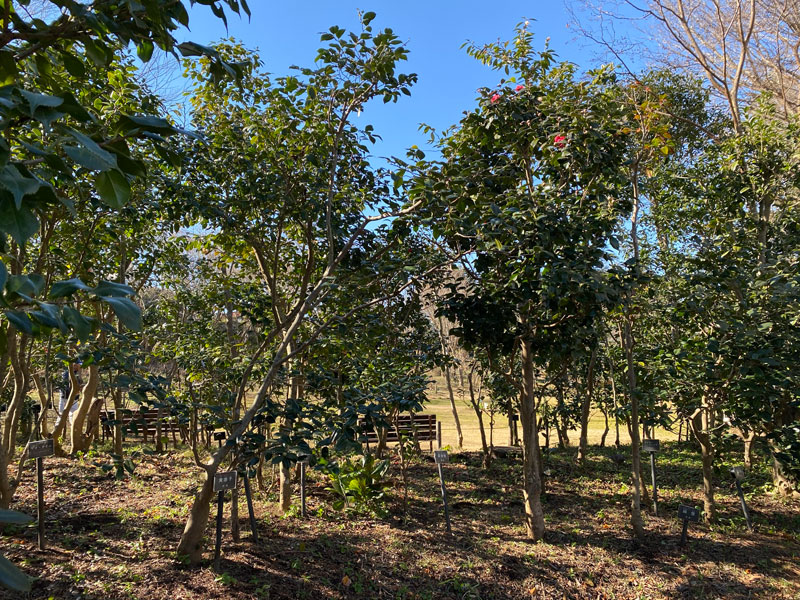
531 467
459 433
606 430
87 396
191 543
700 429
636 470
476 406
583 447
44 402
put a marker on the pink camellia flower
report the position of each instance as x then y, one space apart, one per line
560 141
519 88
494 98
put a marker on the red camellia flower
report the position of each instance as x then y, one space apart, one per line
519 88
560 141
494 98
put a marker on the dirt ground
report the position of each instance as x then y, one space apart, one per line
110 539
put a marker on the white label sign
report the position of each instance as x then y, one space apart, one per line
225 481
40 449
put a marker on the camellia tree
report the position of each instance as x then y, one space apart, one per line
530 185
284 173
72 140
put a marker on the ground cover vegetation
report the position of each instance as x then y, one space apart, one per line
586 244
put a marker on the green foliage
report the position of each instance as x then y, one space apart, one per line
10 576
360 484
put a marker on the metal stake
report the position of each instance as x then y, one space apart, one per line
218 544
444 499
744 506
653 479
683 533
40 499
248 495
303 489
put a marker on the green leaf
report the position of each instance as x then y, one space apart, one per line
145 50
73 65
127 312
194 49
113 188
18 184
50 316
68 287
20 320
81 325
91 156
113 289
35 100
146 123
8 67
19 223
12 578
14 516
74 108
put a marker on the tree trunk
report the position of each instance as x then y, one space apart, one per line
116 394
191 543
63 419
16 353
748 453
783 485
93 420
700 429
583 447
531 467
457 421
285 488
44 402
487 458
87 395
606 430
159 430
636 467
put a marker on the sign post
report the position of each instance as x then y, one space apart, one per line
441 457
687 513
222 482
220 436
39 450
653 446
738 477
249 496
303 462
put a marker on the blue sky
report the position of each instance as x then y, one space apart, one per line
287 33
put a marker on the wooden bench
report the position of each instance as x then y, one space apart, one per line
143 423
422 428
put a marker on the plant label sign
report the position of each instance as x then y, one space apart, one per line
225 481
441 457
688 513
40 449
220 435
738 473
651 445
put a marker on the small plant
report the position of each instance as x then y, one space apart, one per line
226 579
361 485
119 465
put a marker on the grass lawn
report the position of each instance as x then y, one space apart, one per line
439 405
